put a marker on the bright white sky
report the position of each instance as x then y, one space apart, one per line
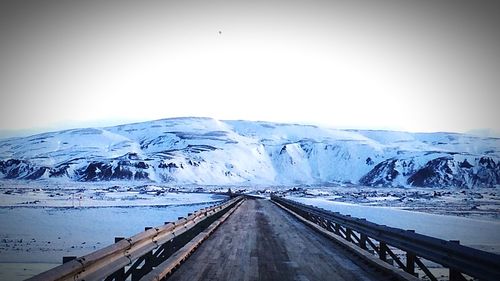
401 65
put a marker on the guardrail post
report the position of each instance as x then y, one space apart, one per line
148 258
410 262
68 259
455 274
348 232
410 259
362 241
382 253
120 273
337 229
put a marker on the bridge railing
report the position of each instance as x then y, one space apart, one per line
134 257
379 239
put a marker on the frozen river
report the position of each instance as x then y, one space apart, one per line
476 233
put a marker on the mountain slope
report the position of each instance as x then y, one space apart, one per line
205 151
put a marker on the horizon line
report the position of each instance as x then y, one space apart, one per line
101 124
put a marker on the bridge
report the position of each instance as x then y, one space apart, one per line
249 238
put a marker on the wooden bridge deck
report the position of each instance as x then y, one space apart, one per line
260 241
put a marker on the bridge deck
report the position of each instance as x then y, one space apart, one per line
260 241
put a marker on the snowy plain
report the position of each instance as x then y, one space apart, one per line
480 203
473 232
469 215
40 225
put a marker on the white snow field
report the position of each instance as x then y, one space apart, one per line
478 203
34 238
473 232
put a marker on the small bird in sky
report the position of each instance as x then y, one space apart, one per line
220 32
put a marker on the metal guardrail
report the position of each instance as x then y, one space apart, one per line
134 257
166 268
377 238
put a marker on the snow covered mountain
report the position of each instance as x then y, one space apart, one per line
205 151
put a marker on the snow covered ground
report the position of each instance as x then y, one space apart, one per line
40 225
478 203
476 233
109 197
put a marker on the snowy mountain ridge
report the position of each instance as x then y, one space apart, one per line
206 151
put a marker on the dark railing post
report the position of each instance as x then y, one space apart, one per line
362 241
455 274
410 260
348 232
337 228
68 259
382 253
148 258
120 273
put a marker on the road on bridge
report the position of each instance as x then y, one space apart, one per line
260 241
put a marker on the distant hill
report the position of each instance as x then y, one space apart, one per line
205 151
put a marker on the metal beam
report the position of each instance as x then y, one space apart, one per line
473 262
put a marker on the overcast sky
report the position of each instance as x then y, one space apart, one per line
402 65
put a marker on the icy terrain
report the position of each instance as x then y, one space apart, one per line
478 203
91 195
204 151
74 220
477 233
